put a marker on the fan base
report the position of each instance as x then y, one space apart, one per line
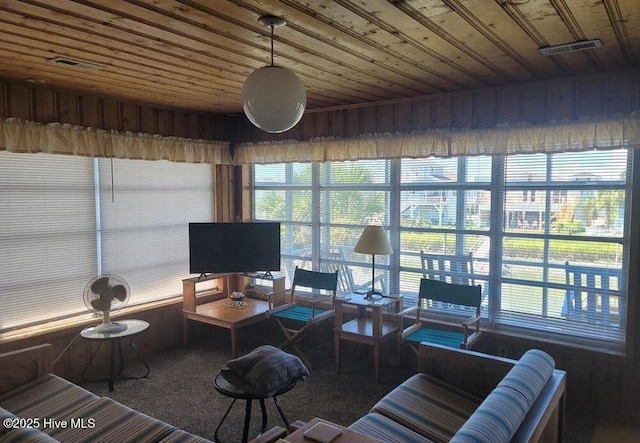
110 328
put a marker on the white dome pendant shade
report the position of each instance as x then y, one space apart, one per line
273 98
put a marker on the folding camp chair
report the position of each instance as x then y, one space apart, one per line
304 310
446 296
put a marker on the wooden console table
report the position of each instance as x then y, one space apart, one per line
212 305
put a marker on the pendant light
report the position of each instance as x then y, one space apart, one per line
273 98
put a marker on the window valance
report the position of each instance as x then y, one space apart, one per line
57 138
521 138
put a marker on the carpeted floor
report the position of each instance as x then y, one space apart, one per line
179 390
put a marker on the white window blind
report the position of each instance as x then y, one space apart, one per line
47 236
547 232
144 221
566 248
61 224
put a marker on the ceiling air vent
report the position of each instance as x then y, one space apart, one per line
78 63
571 47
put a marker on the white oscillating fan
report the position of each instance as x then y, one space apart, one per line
104 295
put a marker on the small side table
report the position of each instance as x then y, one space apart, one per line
134 327
363 329
230 390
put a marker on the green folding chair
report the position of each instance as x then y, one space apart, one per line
444 295
305 309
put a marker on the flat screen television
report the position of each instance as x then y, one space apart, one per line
234 247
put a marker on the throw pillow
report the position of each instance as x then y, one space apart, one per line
269 369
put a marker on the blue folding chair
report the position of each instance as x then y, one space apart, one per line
304 310
443 294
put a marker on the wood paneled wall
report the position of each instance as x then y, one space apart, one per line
46 105
554 100
71 352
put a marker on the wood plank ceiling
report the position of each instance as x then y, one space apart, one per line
196 54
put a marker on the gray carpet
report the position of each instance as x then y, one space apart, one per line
179 390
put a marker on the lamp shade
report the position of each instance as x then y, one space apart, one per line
273 99
373 240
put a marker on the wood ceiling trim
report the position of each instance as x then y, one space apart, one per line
245 32
110 86
435 65
617 20
522 19
572 24
36 42
495 76
39 18
368 62
476 22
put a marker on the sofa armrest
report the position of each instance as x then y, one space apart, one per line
23 365
545 419
473 372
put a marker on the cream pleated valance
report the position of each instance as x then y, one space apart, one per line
56 138
612 133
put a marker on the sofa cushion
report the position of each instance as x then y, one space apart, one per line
4 414
268 369
30 435
107 420
180 436
387 430
530 374
495 420
48 396
428 406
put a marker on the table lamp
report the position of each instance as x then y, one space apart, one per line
373 240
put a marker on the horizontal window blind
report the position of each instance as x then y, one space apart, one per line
47 236
546 233
565 244
144 220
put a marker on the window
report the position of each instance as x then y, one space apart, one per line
527 221
61 224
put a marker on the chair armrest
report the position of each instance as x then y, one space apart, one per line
471 320
270 436
472 339
271 295
322 316
408 331
406 311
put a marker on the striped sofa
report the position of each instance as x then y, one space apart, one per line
464 396
38 406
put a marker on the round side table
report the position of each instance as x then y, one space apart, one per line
134 327
226 388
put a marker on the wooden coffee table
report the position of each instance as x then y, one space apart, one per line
347 435
218 313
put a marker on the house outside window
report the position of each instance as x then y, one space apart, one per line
577 213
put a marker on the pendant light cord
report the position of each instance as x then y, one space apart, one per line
271 44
